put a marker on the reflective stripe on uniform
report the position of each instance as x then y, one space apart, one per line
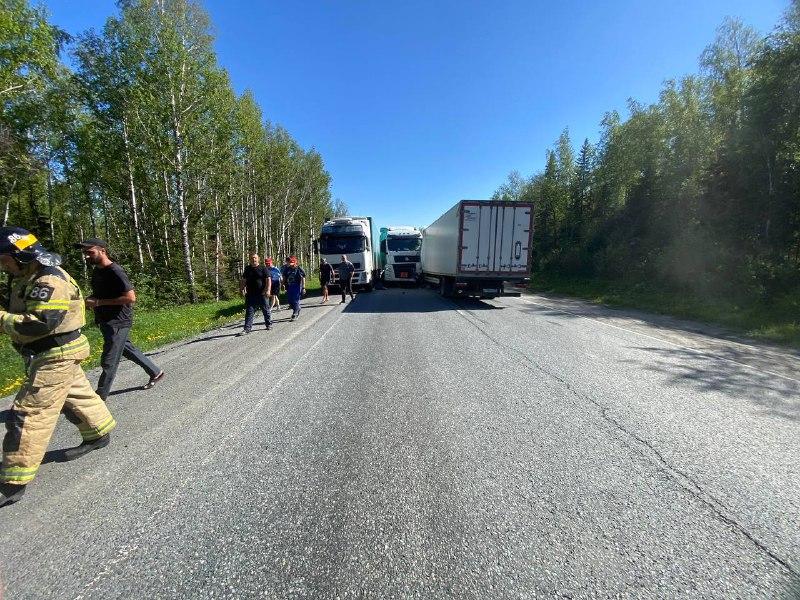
92 433
24 242
62 351
18 474
50 305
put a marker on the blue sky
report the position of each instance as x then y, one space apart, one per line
417 104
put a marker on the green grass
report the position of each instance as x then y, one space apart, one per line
778 321
151 329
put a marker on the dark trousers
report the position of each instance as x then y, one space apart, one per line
347 288
116 345
252 303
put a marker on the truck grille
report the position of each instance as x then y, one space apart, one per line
409 271
402 259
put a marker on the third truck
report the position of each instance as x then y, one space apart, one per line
478 246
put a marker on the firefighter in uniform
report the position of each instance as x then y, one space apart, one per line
43 315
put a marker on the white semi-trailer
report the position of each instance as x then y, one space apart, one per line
399 256
351 236
477 246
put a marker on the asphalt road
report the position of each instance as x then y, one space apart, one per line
408 446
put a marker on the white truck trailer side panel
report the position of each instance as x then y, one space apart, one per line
480 238
440 244
495 237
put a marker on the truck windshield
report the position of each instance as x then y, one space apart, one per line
339 244
404 244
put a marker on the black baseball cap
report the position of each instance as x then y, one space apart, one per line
89 242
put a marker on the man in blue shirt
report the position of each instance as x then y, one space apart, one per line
294 278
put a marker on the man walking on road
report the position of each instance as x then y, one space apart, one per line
43 316
275 283
112 300
325 277
294 278
256 287
346 271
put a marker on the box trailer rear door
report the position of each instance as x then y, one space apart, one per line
495 238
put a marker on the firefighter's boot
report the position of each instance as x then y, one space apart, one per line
10 493
86 447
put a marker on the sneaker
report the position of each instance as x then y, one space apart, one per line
269 326
241 333
153 380
294 318
11 493
86 447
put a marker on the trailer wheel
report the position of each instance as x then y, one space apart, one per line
445 287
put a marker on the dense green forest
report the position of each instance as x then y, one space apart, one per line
698 193
134 134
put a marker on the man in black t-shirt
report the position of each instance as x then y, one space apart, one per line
346 271
256 285
112 301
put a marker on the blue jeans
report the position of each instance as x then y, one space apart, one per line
253 302
293 292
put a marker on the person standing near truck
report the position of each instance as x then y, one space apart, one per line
325 277
43 315
346 271
294 278
112 300
256 286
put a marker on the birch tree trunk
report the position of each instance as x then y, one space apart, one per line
180 191
132 192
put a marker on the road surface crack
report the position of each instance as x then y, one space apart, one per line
683 480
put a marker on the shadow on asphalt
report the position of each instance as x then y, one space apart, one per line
656 321
55 456
411 300
772 395
125 390
209 338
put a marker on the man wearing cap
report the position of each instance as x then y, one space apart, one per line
43 315
294 278
112 301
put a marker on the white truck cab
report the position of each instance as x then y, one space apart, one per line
399 257
351 236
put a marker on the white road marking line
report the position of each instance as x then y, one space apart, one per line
658 339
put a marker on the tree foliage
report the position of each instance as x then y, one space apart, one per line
146 144
699 191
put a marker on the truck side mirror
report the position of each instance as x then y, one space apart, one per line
383 246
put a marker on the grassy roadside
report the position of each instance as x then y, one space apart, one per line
778 321
151 329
